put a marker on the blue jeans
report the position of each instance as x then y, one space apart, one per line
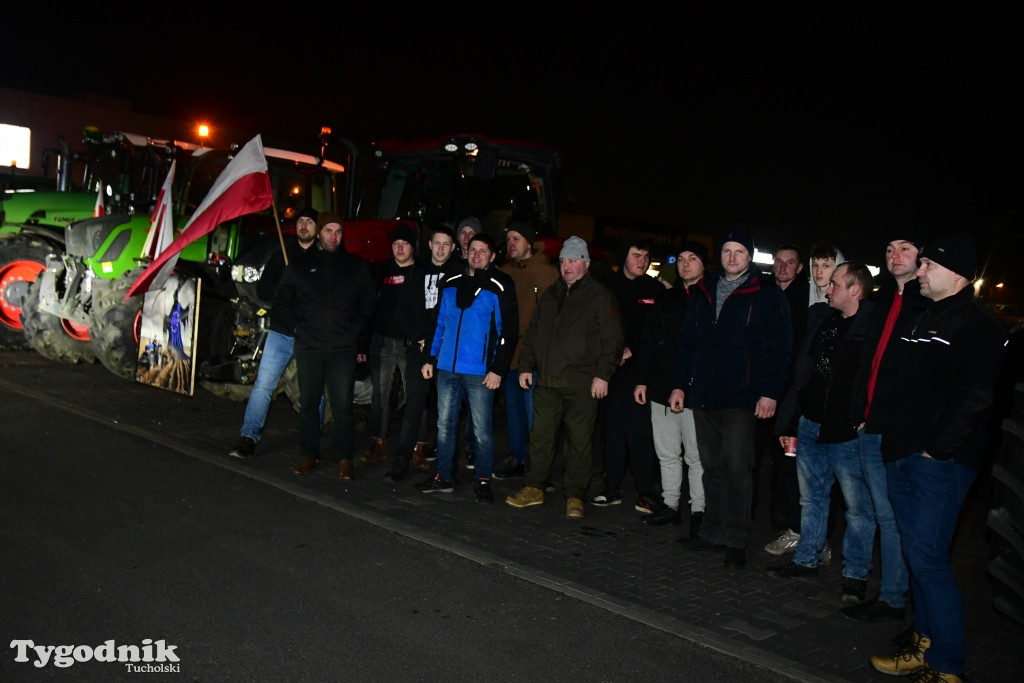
817 465
277 353
519 409
926 497
451 389
895 581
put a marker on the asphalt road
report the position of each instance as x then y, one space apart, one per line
113 533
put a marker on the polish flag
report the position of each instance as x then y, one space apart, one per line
242 187
161 227
99 210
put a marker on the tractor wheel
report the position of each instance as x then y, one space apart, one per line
115 336
228 390
22 258
50 335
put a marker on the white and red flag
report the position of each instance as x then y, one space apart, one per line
99 209
161 226
242 187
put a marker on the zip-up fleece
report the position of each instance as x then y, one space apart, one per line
732 360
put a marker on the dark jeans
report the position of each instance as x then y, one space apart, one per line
575 411
386 354
927 496
784 506
628 439
334 374
725 439
418 393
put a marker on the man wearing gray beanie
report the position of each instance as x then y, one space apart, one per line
574 344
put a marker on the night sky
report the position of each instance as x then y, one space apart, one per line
835 123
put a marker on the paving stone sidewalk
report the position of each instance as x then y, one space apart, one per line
608 558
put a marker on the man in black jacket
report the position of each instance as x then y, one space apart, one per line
818 400
933 444
327 297
898 305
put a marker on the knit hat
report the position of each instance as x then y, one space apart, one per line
471 221
915 236
576 248
698 249
742 237
526 230
326 217
308 213
403 232
955 251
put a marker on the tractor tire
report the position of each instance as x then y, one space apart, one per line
229 390
114 334
47 335
1006 521
22 258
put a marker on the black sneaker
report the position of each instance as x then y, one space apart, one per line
437 485
482 491
513 470
246 448
470 461
696 519
735 558
665 515
792 570
853 589
646 505
397 474
874 609
549 487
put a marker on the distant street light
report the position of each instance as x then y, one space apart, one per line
204 133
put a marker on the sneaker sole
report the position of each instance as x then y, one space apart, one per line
607 503
516 504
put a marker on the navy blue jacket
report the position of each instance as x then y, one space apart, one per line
733 359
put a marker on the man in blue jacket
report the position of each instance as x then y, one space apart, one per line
732 359
476 334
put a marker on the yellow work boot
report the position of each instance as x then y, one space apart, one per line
906 659
526 497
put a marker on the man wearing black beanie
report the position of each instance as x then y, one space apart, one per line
933 444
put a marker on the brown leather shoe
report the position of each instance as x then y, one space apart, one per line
378 450
345 470
306 465
419 457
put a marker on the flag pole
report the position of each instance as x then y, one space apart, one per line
280 234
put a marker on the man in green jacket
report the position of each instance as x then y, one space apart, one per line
574 343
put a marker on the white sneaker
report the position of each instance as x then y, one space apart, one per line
786 543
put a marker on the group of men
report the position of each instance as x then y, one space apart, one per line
887 397
885 393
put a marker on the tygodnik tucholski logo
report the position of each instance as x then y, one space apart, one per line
151 656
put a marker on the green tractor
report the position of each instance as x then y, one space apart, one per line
126 167
84 287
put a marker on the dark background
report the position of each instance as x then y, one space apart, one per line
804 122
